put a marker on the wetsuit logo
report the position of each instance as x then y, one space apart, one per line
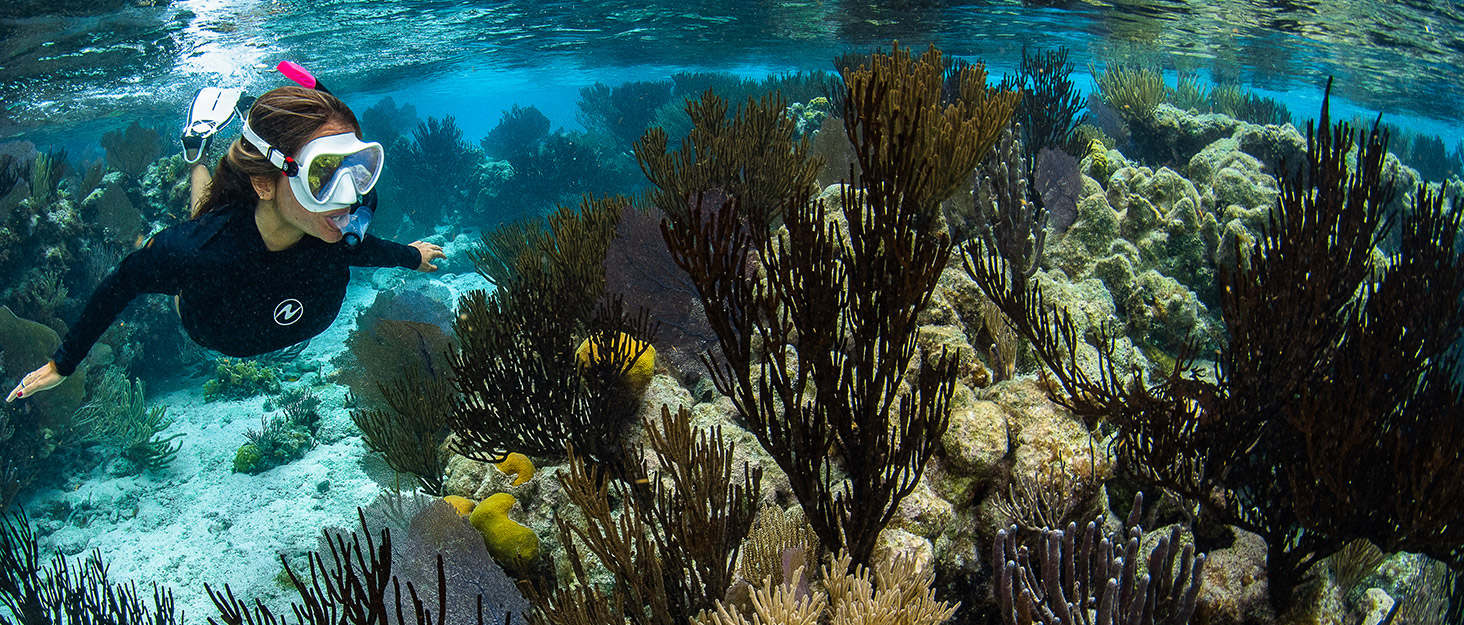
288 312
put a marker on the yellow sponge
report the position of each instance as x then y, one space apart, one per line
511 545
639 375
463 505
517 465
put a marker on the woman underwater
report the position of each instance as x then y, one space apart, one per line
260 266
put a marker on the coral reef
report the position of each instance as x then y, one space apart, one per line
409 431
240 379
640 268
523 389
839 407
1291 440
895 592
642 366
1232 101
622 112
44 235
1051 105
282 439
131 151
381 349
164 191
436 176
546 168
33 428
386 123
1133 92
519 127
519 466
776 539
752 157
1172 136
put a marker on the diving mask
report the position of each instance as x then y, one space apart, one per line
331 172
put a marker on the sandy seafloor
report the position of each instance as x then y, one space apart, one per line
199 522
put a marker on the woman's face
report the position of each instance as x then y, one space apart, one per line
317 225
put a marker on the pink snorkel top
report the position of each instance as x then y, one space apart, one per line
300 75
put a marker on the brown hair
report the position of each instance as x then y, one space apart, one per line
285 117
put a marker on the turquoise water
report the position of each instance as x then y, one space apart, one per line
1151 222
65 72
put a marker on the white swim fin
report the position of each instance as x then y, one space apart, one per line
211 110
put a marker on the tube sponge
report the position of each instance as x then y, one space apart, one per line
512 545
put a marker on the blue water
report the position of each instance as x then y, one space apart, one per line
64 77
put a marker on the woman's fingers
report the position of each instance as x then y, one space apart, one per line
35 382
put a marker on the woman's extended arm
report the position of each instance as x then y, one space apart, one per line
148 270
377 252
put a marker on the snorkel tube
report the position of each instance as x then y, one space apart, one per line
353 224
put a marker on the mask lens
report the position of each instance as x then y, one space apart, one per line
327 170
363 167
322 174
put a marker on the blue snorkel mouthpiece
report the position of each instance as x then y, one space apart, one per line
353 225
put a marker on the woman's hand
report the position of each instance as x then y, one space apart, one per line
37 381
429 253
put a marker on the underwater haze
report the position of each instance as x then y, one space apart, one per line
1053 311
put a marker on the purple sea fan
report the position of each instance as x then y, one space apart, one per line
1059 183
640 268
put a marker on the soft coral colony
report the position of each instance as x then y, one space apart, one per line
1336 371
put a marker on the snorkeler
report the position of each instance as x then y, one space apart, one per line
261 264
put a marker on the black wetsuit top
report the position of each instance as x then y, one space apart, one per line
235 296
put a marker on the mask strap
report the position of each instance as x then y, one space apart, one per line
277 158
